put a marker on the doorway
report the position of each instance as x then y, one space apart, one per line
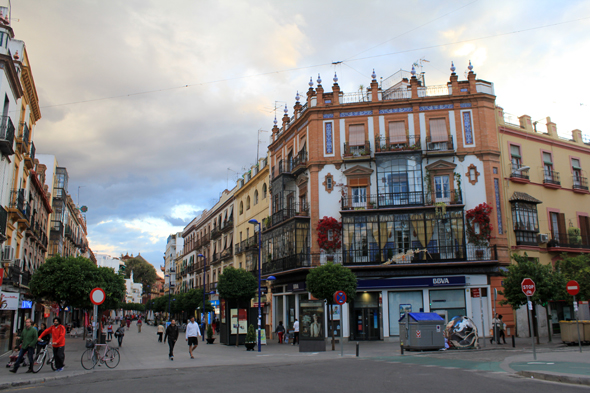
366 324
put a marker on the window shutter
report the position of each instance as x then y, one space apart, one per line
585 229
547 158
397 132
438 130
514 151
356 135
562 228
576 163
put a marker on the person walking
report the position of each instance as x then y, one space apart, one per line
280 331
128 323
120 333
139 324
110 331
296 332
160 332
192 336
29 342
58 338
498 328
172 336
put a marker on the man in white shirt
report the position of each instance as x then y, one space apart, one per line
192 334
296 332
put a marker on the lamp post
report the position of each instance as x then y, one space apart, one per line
169 281
254 222
204 283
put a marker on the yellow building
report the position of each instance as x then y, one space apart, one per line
546 195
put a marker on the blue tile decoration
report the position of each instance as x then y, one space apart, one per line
436 107
394 110
360 113
468 128
328 101
498 208
329 148
466 105
328 115
463 90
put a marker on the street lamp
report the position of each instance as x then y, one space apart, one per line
169 282
254 222
204 281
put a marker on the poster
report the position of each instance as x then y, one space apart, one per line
262 336
9 301
238 320
404 308
311 326
336 312
222 307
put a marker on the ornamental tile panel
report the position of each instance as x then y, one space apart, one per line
436 107
359 113
394 110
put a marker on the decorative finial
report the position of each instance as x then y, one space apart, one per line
374 75
413 72
16 56
297 97
319 80
310 82
470 67
453 67
335 79
286 109
275 121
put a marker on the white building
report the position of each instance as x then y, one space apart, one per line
133 290
104 260
173 245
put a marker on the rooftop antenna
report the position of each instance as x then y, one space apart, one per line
258 144
420 63
227 176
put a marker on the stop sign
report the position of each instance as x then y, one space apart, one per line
573 288
528 287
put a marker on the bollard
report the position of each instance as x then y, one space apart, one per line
357 349
513 343
402 347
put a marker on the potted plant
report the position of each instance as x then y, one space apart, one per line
250 338
574 236
441 209
210 337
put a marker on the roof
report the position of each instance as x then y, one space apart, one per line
523 197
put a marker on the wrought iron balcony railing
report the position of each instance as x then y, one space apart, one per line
440 146
580 183
293 210
551 177
6 136
519 171
384 144
357 151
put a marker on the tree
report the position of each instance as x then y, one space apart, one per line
575 268
113 286
324 281
237 286
547 283
143 272
193 299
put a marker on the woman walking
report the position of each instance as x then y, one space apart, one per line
160 332
120 333
110 331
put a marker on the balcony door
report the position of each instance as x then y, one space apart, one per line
442 189
359 197
398 188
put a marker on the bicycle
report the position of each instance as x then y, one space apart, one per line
110 356
44 353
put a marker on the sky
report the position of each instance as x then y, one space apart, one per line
148 103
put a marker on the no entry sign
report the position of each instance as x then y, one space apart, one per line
340 297
97 296
528 287
573 288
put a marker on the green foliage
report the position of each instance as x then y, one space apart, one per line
324 281
574 235
251 334
237 285
133 307
576 268
547 282
209 331
69 280
160 304
143 272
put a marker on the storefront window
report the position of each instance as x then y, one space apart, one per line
448 303
5 319
401 302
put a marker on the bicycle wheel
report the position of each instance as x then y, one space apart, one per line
51 361
89 359
39 361
112 358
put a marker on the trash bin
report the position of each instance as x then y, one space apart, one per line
103 338
569 332
422 331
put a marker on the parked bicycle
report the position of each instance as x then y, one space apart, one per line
45 353
110 356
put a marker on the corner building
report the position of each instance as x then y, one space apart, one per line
398 165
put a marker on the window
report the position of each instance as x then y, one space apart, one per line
526 222
442 188
264 191
397 132
438 130
329 183
558 232
548 166
248 203
256 197
356 135
399 181
241 207
359 196
577 173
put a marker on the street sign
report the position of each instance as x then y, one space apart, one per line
573 288
528 287
474 292
97 296
340 297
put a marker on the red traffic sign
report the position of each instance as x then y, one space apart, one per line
340 297
97 296
572 287
528 287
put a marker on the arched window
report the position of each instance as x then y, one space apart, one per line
248 203
264 191
241 207
256 197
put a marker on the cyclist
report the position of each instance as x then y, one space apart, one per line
58 337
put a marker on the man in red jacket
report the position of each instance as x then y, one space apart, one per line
58 340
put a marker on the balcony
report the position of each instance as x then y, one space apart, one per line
519 173
452 197
580 184
238 249
433 254
19 207
551 179
23 139
286 263
357 152
282 168
383 201
385 145
30 158
227 226
215 233
227 253
299 163
3 219
439 147
566 240
6 136
294 210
